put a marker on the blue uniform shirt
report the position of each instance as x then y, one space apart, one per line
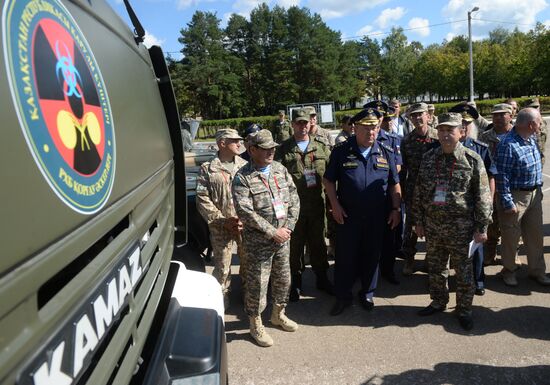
393 141
482 150
362 182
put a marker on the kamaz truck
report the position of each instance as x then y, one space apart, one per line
93 208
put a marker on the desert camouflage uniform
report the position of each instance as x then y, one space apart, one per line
310 228
325 135
341 137
265 258
434 122
215 204
541 139
413 147
450 227
282 131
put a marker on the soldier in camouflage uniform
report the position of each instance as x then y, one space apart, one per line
215 204
500 127
452 204
542 134
347 130
413 147
316 130
267 203
432 118
305 158
282 130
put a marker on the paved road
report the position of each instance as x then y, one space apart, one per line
510 343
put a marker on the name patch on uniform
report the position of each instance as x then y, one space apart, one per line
350 165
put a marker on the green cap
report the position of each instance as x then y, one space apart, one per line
227 133
311 110
502 107
300 114
453 119
418 107
262 139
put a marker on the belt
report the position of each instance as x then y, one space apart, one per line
528 188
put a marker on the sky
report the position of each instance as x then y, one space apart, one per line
426 21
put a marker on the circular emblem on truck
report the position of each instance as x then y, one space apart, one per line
61 101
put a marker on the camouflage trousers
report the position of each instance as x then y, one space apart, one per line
259 272
222 253
410 239
493 235
310 231
438 253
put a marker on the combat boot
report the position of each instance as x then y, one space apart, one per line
295 288
258 332
278 318
323 283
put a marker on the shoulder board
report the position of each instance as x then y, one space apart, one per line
320 139
385 146
480 143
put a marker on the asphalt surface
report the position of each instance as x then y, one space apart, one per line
510 342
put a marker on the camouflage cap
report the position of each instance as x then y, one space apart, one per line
262 139
368 116
502 107
282 112
418 107
453 119
311 110
431 107
533 103
300 114
227 133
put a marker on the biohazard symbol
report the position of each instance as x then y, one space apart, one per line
68 97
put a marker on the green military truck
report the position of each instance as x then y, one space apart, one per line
93 208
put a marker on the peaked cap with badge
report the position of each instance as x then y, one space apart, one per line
468 112
368 116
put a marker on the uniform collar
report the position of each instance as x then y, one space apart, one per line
457 153
217 165
374 149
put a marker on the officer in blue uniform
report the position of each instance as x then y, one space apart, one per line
392 237
252 129
359 176
469 114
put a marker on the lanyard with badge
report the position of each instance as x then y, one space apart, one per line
276 201
309 173
441 187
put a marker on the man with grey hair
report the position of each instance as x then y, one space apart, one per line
519 194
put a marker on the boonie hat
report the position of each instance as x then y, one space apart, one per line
368 116
418 107
227 133
502 107
300 114
262 139
453 119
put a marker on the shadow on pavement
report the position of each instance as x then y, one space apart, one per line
467 374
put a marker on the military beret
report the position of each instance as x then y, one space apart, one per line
468 112
453 119
227 133
300 114
262 139
533 103
418 107
254 127
368 116
502 107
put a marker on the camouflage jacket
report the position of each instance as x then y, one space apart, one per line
491 139
413 147
282 131
341 137
433 124
325 135
541 138
253 195
214 199
468 205
315 158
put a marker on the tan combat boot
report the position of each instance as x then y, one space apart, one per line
278 318
258 332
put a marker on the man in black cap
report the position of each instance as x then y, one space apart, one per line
359 176
250 130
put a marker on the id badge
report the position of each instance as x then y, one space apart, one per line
279 208
309 174
440 196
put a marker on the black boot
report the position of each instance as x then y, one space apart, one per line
323 283
295 288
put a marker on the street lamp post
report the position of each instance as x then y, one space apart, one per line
471 55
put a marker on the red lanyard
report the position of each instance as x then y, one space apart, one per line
267 185
450 174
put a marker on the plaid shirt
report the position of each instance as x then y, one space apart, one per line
519 166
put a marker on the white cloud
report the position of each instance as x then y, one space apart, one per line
421 26
183 4
450 36
389 15
508 11
244 7
332 9
151 40
365 30
287 3
546 23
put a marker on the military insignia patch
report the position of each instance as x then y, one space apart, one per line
61 101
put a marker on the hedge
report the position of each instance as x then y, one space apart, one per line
208 128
